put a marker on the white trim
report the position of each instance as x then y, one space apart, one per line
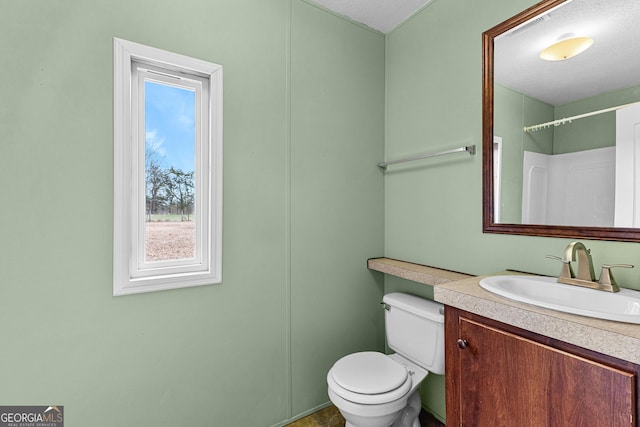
497 178
627 184
131 274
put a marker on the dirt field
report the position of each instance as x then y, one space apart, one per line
170 240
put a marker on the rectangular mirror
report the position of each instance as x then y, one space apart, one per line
560 125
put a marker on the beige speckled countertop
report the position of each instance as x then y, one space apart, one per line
621 340
426 275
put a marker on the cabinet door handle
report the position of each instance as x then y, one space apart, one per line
462 344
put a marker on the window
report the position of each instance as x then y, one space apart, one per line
167 170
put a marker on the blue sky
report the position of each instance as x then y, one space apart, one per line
169 124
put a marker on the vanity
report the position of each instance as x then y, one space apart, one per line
514 364
510 363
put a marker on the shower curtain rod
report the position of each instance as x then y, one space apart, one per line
565 120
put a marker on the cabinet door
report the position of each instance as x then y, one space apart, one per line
508 380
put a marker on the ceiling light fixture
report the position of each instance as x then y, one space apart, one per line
567 46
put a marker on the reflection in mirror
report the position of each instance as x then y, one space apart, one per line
567 163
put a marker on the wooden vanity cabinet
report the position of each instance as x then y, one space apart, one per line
501 376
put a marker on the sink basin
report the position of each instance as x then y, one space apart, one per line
623 306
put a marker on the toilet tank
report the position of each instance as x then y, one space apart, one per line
415 330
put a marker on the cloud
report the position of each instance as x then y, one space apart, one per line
186 120
155 143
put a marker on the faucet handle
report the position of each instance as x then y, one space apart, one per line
567 270
606 277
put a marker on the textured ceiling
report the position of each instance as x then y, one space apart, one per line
381 15
613 62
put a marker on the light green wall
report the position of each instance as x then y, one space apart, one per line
512 112
433 208
337 126
303 210
591 132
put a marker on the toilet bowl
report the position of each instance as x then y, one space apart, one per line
372 389
376 390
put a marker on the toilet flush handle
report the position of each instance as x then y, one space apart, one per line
386 306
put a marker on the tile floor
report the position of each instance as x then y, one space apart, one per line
330 417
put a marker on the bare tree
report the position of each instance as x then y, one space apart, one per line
155 178
179 186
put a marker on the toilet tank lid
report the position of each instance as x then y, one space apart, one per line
419 306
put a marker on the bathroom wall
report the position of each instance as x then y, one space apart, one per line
337 128
433 208
303 210
595 131
512 112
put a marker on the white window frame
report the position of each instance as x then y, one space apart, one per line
133 65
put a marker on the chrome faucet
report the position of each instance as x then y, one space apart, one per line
586 276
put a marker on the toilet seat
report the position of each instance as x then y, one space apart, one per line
369 378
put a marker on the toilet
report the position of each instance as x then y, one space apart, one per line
372 389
